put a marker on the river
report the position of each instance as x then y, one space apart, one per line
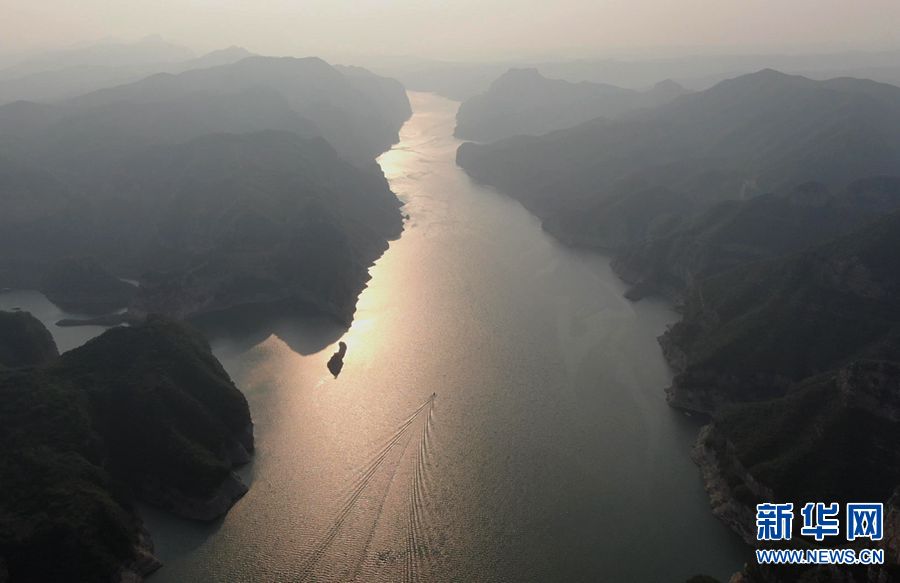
500 415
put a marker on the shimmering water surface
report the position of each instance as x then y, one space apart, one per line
547 452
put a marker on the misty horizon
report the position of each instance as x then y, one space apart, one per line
464 31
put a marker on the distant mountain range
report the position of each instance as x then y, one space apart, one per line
613 183
523 102
63 74
461 80
359 114
207 182
149 50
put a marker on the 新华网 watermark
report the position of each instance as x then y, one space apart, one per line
821 522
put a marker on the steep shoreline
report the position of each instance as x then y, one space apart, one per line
722 473
239 451
223 282
788 333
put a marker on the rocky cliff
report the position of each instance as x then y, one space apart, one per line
832 437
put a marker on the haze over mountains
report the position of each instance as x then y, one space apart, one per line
765 205
249 146
611 183
67 73
150 50
462 80
357 113
521 101
248 182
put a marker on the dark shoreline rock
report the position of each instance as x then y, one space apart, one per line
238 450
144 564
205 509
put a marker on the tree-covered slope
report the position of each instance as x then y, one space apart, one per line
139 413
738 232
229 220
750 332
218 221
62 516
173 422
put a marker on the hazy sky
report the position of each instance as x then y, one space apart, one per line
459 28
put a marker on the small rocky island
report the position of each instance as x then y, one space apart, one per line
336 362
144 412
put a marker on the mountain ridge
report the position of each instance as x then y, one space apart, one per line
614 183
523 102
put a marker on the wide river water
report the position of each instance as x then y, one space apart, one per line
500 415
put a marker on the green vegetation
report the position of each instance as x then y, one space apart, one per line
735 233
832 437
796 357
754 330
62 517
84 435
258 218
162 402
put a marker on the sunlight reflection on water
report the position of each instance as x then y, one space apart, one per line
548 453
